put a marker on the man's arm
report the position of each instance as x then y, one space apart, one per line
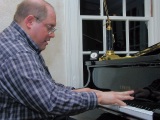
27 82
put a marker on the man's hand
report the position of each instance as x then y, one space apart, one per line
106 98
115 98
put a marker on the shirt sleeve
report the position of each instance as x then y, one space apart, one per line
27 81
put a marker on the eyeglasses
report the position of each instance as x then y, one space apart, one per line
49 27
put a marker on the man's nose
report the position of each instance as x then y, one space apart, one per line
52 35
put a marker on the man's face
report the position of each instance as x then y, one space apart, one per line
43 31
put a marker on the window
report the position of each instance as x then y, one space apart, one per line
130 21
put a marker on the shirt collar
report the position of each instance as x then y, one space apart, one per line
31 43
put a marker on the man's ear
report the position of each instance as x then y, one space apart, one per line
29 21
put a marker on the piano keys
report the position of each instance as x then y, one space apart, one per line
136 109
129 111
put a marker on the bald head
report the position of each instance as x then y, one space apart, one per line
36 8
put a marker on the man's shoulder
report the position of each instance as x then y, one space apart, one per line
10 46
13 44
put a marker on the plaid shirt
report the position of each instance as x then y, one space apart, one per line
27 90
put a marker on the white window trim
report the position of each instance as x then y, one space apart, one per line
156 22
72 44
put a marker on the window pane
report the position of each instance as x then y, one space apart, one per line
114 7
89 7
138 35
135 7
119 31
92 35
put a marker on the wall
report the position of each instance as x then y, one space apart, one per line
54 53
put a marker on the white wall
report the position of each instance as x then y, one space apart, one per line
7 9
54 54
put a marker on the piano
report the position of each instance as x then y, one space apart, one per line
128 74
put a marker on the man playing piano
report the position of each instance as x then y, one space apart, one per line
27 89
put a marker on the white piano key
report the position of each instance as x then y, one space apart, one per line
133 111
137 112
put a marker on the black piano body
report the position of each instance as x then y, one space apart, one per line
124 74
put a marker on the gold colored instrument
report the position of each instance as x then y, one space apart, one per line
109 55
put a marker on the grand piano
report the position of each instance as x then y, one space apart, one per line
128 74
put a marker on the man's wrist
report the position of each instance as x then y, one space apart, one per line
99 96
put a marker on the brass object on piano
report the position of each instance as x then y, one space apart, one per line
109 55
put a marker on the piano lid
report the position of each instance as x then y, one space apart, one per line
152 50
